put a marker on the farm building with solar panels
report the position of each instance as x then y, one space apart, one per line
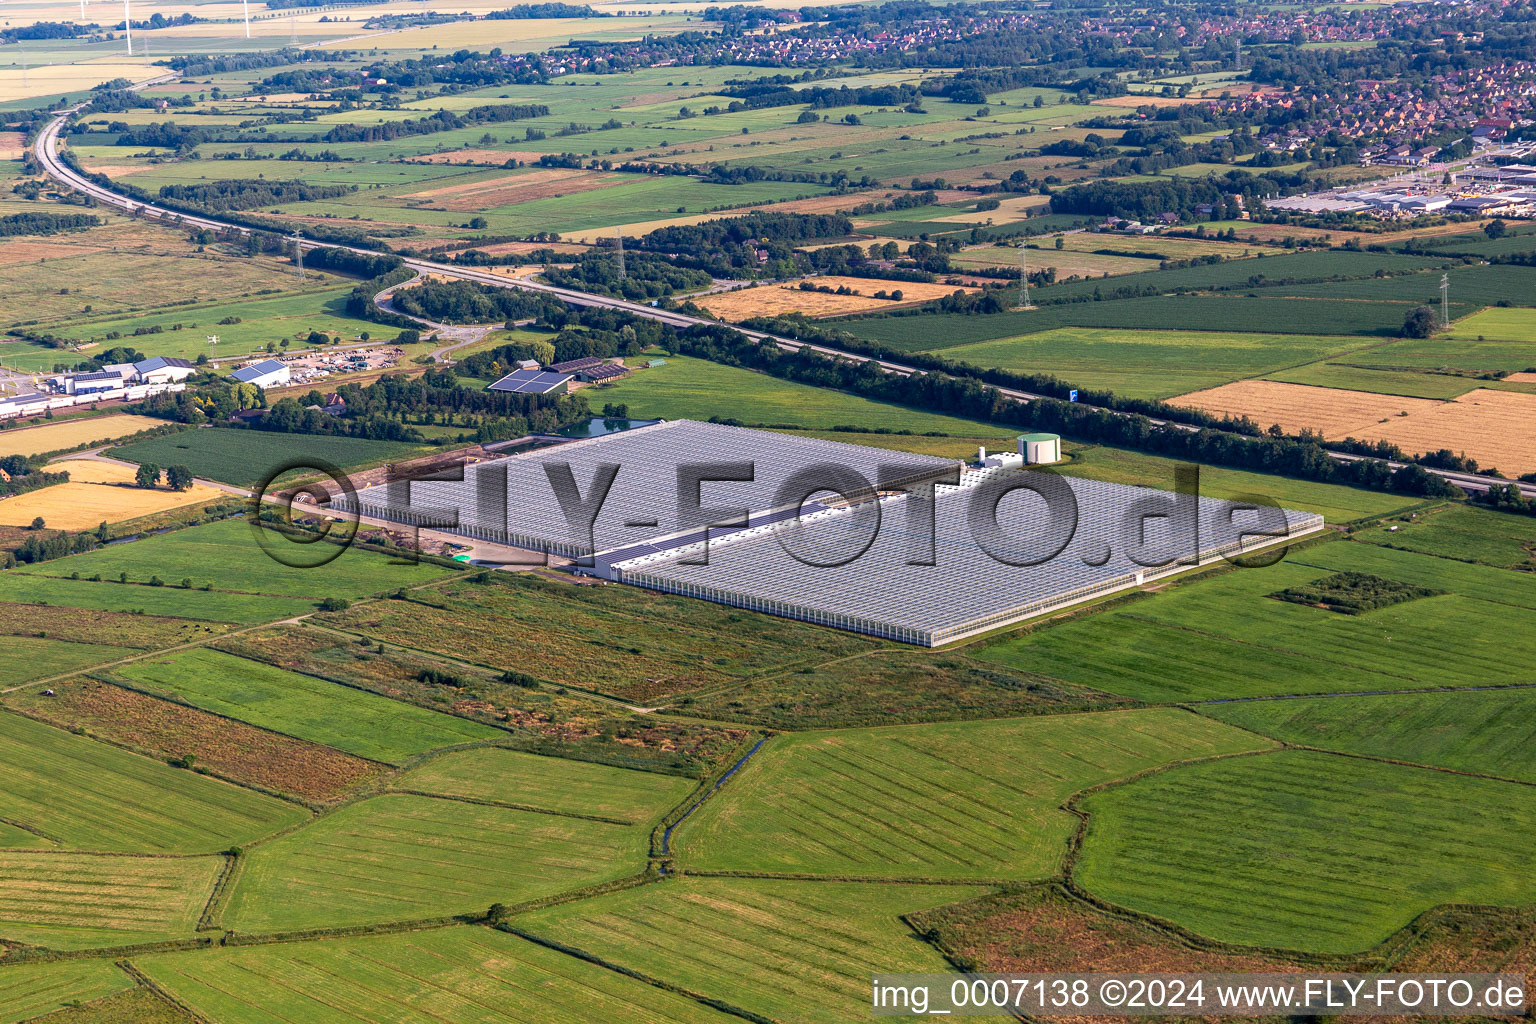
912 548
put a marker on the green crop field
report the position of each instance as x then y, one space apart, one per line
1464 533
966 800
31 990
227 556
549 783
1147 364
688 388
78 901
29 657
1223 636
246 457
211 606
352 720
1515 323
1307 851
399 858
790 951
1336 503
1490 732
428 977
85 795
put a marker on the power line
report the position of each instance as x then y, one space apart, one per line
1445 300
621 255
298 252
1023 276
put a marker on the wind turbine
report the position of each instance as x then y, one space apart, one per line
128 27
246 6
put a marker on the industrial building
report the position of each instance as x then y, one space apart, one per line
533 381
863 558
268 373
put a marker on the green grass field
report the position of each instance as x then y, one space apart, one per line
79 901
246 457
352 720
262 319
1463 533
430 977
549 783
1336 503
1222 636
228 557
30 657
1147 364
790 951
961 801
1490 732
400 858
31 990
688 388
85 795
1307 851
1514 323
211 606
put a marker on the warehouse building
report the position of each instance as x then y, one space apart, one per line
269 373
533 381
907 547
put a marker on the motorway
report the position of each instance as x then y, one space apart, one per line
46 150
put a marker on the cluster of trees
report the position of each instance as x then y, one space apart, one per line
726 245
1507 498
39 548
165 135
546 10
47 30
468 302
646 276
177 478
1144 200
756 96
441 121
250 193
46 223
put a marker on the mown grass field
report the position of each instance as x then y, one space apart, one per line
688 388
31 990
211 606
226 556
429 977
312 709
1223 636
402 858
80 794
1463 533
246 457
961 801
549 783
1307 851
263 319
791 951
79 901
1491 732
1513 323
30 657
1147 364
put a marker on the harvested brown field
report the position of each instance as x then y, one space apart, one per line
166 730
57 436
492 157
114 629
515 188
1493 427
771 301
13 145
98 492
1521 378
519 248
1333 412
1045 931
26 252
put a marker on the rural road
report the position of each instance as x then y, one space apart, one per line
46 148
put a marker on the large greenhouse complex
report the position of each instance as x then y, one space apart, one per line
936 553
